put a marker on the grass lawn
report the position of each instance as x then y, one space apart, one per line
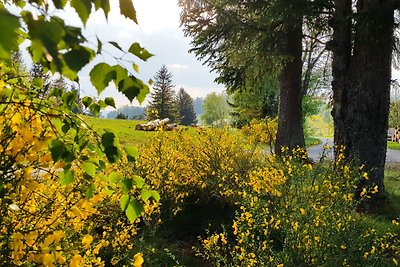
312 141
125 130
393 145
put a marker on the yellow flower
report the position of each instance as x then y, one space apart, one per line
395 262
302 211
48 259
76 261
87 240
138 260
279 265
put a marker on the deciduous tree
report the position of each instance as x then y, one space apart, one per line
216 110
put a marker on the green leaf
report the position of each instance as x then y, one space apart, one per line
89 168
139 181
126 185
115 177
108 139
65 128
66 177
101 75
121 74
9 25
140 52
130 87
110 144
90 191
99 46
95 109
143 93
87 101
127 9
155 195
60 4
132 153
78 57
134 209
116 45
45 36
110 102
57 148
146 194
37 83
105 5
124 201
101 104
83 8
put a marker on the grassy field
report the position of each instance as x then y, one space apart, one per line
125 129
393 145
316 126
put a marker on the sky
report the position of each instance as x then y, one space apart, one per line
159 32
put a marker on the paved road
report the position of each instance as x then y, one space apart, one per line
317 152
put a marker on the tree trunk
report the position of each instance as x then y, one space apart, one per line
290 126
361 84
341 48
369 80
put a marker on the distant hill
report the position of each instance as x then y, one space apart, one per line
198 105
134 112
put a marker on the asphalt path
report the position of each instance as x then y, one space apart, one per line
325 151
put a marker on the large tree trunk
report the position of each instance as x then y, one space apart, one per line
290 125
341 48
369 81
362 84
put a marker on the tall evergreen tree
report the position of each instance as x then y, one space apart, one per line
37 72
163 95
185 105
247 41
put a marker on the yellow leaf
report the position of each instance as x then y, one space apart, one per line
138 260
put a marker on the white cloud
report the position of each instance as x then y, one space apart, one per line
177 67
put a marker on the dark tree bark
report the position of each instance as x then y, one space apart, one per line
361 83
290 125
341 57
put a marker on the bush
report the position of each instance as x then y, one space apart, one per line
59 192
207 163
262 131
296 214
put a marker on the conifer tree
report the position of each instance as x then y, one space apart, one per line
163 95
185 105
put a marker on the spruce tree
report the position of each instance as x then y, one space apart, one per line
185 106
163 95
37 72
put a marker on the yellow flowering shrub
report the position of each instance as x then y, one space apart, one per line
262 131
62 192
293 213
183 163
